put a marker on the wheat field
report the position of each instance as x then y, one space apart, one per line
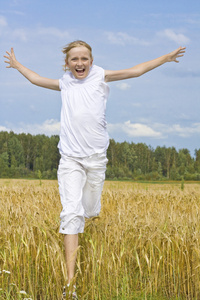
144 245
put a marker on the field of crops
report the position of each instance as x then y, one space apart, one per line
144 245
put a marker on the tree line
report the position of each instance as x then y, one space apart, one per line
37 156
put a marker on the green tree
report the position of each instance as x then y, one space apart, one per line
27 142
15 152
4 164
197 161
160 174
111 153
185 162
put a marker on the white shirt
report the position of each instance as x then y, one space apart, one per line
83 124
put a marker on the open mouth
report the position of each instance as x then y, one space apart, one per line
80 71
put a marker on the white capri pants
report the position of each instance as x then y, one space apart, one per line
80 185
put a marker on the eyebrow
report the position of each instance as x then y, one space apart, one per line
84 56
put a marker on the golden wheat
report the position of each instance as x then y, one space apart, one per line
144 245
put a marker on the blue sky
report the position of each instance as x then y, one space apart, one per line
159 108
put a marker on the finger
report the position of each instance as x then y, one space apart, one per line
7 62
8 53
182 51
12 52
182 48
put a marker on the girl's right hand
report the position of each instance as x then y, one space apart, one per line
33 77
12 62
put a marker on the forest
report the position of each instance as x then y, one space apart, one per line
36 156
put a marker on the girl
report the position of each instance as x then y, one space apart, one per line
83 136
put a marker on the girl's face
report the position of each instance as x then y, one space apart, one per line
79 61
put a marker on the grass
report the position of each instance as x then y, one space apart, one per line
144 245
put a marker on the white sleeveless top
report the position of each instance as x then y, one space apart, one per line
83 124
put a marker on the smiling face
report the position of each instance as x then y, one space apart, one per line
79 61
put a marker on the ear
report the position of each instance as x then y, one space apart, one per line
66 63
91 62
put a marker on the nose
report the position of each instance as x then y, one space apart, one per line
79 62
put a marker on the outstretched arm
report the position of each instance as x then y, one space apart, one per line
142 68
30 75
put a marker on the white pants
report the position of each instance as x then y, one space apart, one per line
80 184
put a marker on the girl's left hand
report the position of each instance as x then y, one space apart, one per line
176 53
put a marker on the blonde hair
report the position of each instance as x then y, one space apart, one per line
72 45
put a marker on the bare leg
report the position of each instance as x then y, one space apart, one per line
71 246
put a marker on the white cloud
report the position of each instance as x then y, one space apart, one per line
20 34
135 104
123 38
138 129
179 38
49 127
134 130
3 21
154 130
123 86
194 20
26 34
178 130
3 128
17 3
185 131
52 31
3 25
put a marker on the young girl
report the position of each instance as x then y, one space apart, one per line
83 135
